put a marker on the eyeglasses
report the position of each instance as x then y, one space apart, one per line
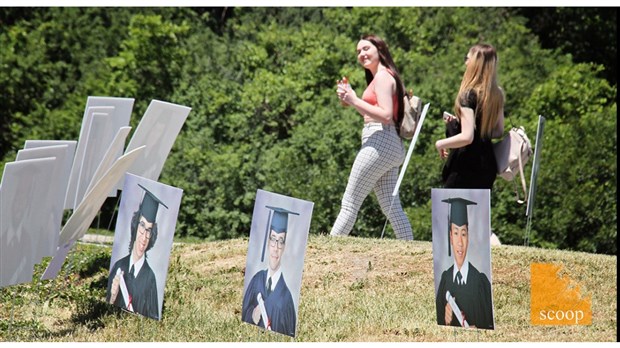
273 241
142 229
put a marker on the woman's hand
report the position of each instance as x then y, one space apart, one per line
443 152
346 94
462 139
448 117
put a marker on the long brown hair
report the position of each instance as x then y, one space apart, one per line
386 59
481 77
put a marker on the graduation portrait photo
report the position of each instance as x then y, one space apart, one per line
275 261
462 257
142 241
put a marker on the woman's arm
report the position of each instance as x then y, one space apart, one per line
462 139
385 85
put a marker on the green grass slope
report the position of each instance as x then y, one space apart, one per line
353 289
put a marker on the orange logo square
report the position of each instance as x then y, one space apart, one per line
555 299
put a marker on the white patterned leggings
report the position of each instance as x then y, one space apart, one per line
375 168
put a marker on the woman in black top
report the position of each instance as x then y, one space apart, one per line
479 110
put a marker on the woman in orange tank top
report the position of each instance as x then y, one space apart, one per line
376 165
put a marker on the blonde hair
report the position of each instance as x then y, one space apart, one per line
481 77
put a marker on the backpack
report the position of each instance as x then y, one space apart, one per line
411 115
512 154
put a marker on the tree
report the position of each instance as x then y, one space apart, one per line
589 34
261 85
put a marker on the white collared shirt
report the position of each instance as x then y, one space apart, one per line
136 264
464 270
274 278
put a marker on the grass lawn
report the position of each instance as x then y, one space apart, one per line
353 289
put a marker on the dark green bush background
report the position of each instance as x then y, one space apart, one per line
261 81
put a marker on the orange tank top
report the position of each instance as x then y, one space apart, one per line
370 96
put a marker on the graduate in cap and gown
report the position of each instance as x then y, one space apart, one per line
267 301
134 287
469 288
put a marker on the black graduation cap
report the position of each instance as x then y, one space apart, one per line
150 204
277 221
457 214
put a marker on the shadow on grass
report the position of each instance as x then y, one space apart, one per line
91 313
94 264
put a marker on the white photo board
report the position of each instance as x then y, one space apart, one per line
461 225
139 204
277 247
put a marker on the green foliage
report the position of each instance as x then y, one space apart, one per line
44 70
587 33
149 59
261 81
577 195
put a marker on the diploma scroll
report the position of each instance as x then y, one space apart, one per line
124 290
263 311
456 310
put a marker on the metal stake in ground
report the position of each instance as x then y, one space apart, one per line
532 194
115 209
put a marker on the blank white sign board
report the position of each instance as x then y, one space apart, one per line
158 130
22 212
110 156
71 145
119 117
80 152
82 217
100 137
53 196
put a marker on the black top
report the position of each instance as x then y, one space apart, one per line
278 304
142 288
474 299
473 166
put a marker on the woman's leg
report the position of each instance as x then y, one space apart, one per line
391 206
364 174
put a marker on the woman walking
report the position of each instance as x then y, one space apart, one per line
479 110
376 165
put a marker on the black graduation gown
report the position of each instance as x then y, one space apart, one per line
279 305
142 289
473 298
473 166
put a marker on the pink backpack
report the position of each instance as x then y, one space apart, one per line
511 154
